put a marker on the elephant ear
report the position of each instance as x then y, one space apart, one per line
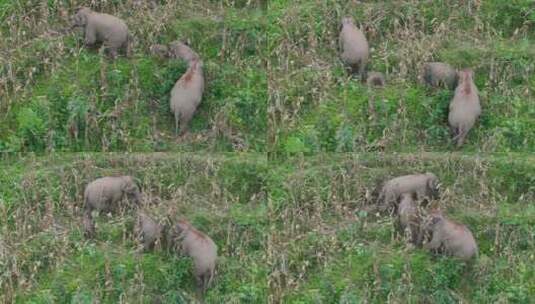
127 183
436 215
377 192
436 219
178 230
84 19
132 187
78 20
432 184
81 16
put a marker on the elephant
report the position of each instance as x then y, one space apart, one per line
179 49
105 194
439 74
375 79
424 185
354 47
186 96
99 27
451 238
194 243
464 107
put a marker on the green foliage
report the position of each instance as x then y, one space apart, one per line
43 243
301 226
333 248
32 127
96 104
317 107
509 16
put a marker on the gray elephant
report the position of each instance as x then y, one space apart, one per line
149 231
160 50
354 47
409 217
200 247
98 27
375 79
424 185
449 237
105 194
181 50
175 50
464 107
439 74
186 96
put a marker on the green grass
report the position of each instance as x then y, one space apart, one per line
289 229
44 257
315 106
283 155
61 96
329 247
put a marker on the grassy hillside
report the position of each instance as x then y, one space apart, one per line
44 257
57 95
328 247
315 106
282 156
289 230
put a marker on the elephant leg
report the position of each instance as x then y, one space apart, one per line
89 224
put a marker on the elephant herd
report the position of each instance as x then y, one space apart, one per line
403 196
406 197
107 194
464 108
186 95
112 32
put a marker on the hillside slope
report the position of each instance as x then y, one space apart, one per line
44 257
329 247
315 106
57 95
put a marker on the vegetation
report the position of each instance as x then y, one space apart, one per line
315 106
44 257
289 229
328 246
283 157
57 95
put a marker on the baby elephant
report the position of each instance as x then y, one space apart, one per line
354 47
179 49
453 238
198 246
104 194
464 107
424 185
159 50
149 231
375 79
108 29
439 74
176 50
409 217
187 93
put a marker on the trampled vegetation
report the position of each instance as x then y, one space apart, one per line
57 95
315 106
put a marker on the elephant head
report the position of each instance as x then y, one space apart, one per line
131 190
80 18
